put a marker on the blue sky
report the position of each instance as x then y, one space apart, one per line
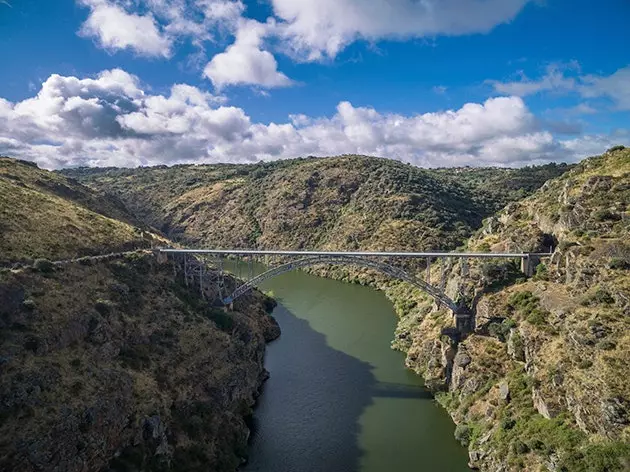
450 82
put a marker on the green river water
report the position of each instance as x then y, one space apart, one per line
339 398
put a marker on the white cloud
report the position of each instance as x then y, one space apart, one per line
553 80
111 120
245 62
615 87
114 29
315 29
305 29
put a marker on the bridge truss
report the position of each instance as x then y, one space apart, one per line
206 269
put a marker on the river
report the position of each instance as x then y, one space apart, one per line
339 398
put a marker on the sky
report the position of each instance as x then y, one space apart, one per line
435 83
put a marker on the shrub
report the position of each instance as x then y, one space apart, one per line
44 266
223 320
507 423
463 434
606 345
610 457
542 273
617 263
606 215
104 307
537 317
135 357
600 297
585 364
527 305
499 275
28 304
519 447
501 330
616 148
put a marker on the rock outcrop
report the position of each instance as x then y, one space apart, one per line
541 383
114 365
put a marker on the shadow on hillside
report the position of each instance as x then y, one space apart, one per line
307 418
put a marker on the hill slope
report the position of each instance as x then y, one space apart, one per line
541 384
349 202
113 363
46 215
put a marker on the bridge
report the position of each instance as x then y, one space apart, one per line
194 265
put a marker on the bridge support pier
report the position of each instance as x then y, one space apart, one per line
529 264
464 320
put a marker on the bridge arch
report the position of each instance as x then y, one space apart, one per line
382 267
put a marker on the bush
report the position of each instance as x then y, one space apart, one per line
499 275
617 263
542 273
463 434
527 305
501 330
104 307
537 318
44 266
223 320
610 457
616 148
519 447
28 304
585 364
508 423
606 215
606 345
600 297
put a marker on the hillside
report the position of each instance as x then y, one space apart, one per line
350 202
541 383
46 215
113 363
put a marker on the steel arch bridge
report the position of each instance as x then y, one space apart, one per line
382 267
210 277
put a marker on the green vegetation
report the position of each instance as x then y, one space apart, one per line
46 215
350 202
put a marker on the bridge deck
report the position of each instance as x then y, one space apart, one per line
253 252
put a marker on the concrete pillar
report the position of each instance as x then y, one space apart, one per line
529 264
464 320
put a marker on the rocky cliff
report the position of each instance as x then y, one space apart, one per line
116 366
113 363
540 384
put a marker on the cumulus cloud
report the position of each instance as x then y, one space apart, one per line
111 120
553 80
323 28
303 29
615 87
114 28
245 62
119 24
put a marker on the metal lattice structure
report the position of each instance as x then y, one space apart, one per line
382 267
205 269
